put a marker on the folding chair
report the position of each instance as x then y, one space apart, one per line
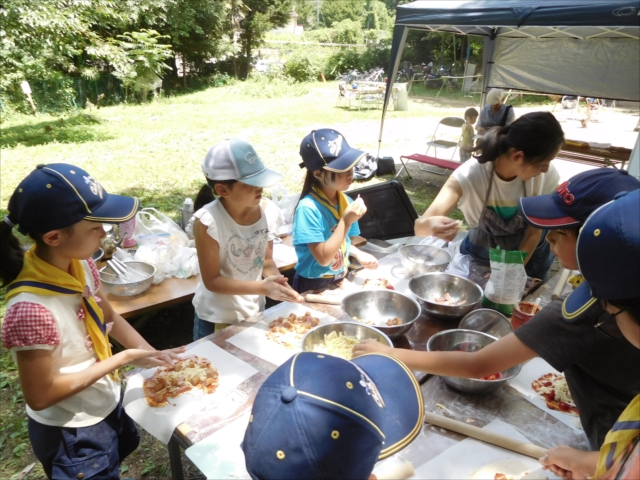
427 160
439 142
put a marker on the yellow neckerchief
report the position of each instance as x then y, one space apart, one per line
624 432
320 196
42 278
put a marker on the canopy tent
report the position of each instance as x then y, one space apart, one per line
566 47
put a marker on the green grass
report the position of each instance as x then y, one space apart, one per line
154 151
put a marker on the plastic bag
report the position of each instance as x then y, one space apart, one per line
185 263
159 255
508 279
460 264
365 168
150 221
286 202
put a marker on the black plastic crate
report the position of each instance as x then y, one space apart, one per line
390 213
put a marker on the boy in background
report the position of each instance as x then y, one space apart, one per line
466 139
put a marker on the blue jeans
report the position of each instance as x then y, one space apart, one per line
302 284
538 267
203 328
94 452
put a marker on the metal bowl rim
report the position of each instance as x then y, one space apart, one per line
151 275
417 277
411 322
400 251
368 327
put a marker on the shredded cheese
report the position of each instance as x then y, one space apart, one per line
337 344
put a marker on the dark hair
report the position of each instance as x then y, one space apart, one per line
630 305
11 254
537 134
309 181
204 196
471 113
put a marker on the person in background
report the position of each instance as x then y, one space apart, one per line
58 323
608 252
466 138
319 417
602 372
495 113
234 242
515 161
325 217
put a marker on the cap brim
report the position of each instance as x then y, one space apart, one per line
266 178
542 212
115 209
345 161
578 303
402 398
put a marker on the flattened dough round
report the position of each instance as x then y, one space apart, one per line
513 470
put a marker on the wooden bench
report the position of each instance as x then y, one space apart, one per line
581 152
426 159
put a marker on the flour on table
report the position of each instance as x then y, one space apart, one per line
510 469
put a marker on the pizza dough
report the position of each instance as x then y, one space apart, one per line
377 283
509 469
288 331
553 388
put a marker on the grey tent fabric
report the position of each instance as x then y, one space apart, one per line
565 47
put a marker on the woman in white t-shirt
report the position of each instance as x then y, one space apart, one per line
515 161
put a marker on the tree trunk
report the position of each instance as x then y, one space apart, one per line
184 71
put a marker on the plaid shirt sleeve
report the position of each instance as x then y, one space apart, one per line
29 325
94 273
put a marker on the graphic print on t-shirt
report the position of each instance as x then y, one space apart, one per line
246 254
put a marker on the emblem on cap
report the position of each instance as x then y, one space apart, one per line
95 187
565 194
335 145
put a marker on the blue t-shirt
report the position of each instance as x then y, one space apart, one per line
314 223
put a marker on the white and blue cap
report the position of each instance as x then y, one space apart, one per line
328 149
608 254
235 159
58 195
319 416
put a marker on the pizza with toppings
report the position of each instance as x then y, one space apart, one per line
377 283
288 331
555 391
192 373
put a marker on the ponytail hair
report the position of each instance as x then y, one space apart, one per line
204 196
11 254
537 134
309 181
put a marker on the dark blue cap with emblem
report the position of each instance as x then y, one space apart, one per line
328 149
58 195
577 198
319 416
608 254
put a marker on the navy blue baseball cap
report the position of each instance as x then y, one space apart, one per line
328 149
59 195
608 254
319 416
576 199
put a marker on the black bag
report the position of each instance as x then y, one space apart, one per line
365 168
386 165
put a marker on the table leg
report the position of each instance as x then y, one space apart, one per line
175 460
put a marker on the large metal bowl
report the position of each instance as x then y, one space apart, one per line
378 306
430 286
424 258
488 321
358 330
97 255
468 341
118 287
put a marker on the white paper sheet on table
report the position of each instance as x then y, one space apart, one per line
254 340
465 458
532 370
219 455
284 254
161 422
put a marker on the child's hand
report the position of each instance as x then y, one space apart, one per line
276 287
443 227
565 462
354 211
367 260
153 358
370 346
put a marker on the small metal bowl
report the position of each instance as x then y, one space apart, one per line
358 330
420 259
118 287
430 286
468 341
379 306
97 255
488 321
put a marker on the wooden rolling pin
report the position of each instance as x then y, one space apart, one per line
486 436
562 281
314 298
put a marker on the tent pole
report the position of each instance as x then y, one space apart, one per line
487 63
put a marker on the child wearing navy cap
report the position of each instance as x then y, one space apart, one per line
612 282
325 217
319 416
603 373
58 322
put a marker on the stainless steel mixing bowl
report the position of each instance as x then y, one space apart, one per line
488 321
424 258
468 341
378 306
116 286
358 330
430 286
